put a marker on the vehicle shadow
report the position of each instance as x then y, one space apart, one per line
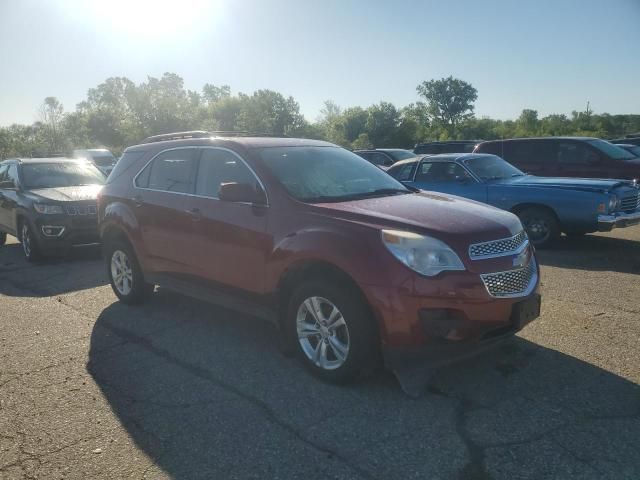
595 253
83 269
205 393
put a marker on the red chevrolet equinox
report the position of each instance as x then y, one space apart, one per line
350 264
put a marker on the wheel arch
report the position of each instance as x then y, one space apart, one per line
520 207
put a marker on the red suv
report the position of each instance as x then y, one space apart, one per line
345 259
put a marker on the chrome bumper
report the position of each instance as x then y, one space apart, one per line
609 222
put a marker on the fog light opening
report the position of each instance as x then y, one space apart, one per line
52 230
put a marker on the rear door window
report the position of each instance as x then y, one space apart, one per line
171 171
575 153
440 172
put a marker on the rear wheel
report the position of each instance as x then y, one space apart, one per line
541 225
125 275
29 243
331 330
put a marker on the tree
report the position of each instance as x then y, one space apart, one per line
51 112
527 123
213 94
449 101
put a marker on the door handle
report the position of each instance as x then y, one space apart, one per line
137 201
195 214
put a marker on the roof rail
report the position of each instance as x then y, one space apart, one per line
176 136
202 134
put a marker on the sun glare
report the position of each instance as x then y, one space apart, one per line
145 19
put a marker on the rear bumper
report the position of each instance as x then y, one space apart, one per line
439 352
607 223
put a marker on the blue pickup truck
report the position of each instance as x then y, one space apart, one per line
546 206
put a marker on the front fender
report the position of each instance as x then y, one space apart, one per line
575 209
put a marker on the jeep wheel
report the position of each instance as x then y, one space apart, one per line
29 243
332 331
125 274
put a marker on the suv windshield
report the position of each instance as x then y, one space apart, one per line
328 174
54 175
611 150
490 167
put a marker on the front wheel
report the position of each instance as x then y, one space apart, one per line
125 275
30 246
331 328
541 225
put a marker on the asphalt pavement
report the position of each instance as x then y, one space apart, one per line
175 388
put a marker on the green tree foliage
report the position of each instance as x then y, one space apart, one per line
119 112
449 101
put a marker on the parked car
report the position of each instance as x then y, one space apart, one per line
452 146
565 157
348 261
546 206
633 149
49 204
385 157
630 140
100 157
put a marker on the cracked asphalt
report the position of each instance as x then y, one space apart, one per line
179 389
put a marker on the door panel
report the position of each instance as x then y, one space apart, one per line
233 241
163 203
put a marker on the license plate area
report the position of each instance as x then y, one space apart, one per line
526 311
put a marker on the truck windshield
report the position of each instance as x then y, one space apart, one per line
611 150
328 174
55 175
490 167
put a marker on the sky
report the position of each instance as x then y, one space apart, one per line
549 55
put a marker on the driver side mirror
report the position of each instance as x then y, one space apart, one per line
241 192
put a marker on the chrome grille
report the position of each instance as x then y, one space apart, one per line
512 283
81 209
498 248
630 202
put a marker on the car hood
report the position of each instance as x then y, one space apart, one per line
446 217
68 194
585 184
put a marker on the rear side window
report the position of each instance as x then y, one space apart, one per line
220 166
171 171
127 159
530 152
575 153
440 172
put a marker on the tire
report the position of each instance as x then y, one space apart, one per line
30 246
541 225
125 275
3 238
353 328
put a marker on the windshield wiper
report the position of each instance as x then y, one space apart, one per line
356 196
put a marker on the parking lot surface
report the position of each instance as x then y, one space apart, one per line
180 389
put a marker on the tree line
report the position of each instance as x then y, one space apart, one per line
118 113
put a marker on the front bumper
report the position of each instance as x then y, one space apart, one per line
607 223
443 351
57 234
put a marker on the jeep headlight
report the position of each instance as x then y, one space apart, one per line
425 255
48 209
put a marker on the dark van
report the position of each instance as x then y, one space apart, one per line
566 157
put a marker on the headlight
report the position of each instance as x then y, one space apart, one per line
420 253
48 209
613 203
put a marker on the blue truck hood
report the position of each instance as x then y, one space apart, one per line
585 184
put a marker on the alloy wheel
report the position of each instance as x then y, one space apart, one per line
26 240
322 333
537 229
121 272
